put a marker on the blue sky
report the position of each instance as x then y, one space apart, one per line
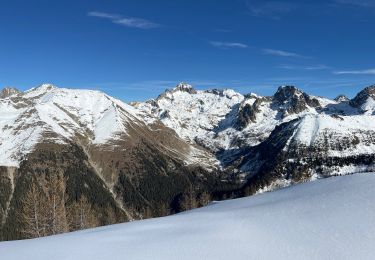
135 49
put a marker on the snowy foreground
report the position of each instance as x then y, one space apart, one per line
327 219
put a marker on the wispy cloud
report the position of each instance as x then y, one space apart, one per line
356 72
362 3
272 9
297 67
283 53
104 15
126 21
227 45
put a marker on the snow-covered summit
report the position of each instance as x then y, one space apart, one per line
8 91
185 88
341 98
191 113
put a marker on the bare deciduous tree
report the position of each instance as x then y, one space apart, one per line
82 215
44 208
188 200
204 199
34 212
57 221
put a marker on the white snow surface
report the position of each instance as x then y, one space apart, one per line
369 106
313 128
325 219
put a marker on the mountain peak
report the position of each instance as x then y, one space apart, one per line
181 87
8 91
184 87
39 90
294 100
341 98
46 87
285 93
42 88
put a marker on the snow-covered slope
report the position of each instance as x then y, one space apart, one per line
326 219
312 129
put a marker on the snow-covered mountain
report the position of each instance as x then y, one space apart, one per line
291 127
100 147
146 159
61 115
193 114
325 219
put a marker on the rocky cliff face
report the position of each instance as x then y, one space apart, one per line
365 100
7 92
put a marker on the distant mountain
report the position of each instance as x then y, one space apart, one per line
263 142
120 162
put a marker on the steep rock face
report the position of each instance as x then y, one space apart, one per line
7 92
365 100
293 100
247 113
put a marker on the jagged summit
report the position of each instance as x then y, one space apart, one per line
294 100
8 91
285 93
184 87
180 88
341 98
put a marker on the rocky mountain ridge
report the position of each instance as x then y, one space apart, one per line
313 127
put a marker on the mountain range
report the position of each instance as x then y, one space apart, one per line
122 162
